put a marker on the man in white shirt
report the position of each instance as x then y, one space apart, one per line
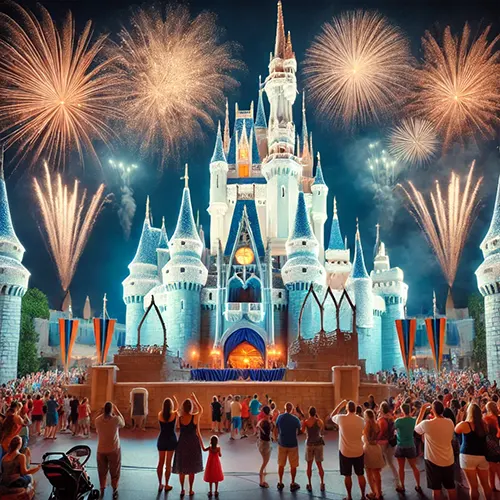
350 445
438 455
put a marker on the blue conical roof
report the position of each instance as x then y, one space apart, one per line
302 227
335 242
494 230
218 154
260 120
163 241
186 227
318 178
358 267
146 250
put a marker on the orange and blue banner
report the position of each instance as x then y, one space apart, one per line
68 331
103 332
436 330
407 329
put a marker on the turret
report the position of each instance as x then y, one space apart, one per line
319 191
244 153
389 284
218 192
301 270
142 278
14 279
488 282
184 276
338 265
261 124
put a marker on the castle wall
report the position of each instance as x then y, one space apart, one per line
391 352
281 327
492 320
207 333
370 345
133 316
10 324
295 300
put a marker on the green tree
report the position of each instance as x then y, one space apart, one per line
476 310
34 305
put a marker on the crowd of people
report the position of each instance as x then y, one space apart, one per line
450 419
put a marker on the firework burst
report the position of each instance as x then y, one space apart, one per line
175 73
68 221
54 96
383 168
357 68
447 220
458 86
413 141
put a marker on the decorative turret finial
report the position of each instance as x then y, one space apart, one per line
198 218
260 83
288 47
227 138
2 152
163 222
434 304
357 229
335 216
377 247
279 46
185 178
148 210
260 119
318 156
345 242
251 109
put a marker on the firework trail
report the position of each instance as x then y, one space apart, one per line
128 205
383 168
68 221
447 220
413 141
357 68
54 96
175 73
458 86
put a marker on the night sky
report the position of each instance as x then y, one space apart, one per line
103 265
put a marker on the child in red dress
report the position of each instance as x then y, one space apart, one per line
213 469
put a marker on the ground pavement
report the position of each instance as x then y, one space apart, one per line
240 462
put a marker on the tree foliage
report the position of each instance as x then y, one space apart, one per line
476 310
34 305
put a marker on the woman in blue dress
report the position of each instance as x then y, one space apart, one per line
167 441
187 459
51 418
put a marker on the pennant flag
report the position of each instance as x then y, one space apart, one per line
407 329
103 332
68 330
436 329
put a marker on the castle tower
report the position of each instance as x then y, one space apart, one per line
338 259
319 191
389 284
13 285
488 282
218 191
261 124
301 270
282 169
184 276
142 278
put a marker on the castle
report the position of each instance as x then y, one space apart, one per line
238 301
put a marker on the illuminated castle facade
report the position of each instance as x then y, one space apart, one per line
488 281
239 299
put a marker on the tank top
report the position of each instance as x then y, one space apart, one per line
314 437
472 444
167 429
11 471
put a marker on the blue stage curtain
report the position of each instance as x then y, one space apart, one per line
244 335
213 375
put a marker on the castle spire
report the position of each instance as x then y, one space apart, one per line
376 248
335 242
279 46
494 229
185 178
147 217
260 120
305 133
227 138
358 267
2 153
218 154
318 178
288 47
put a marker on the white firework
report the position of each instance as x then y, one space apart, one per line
413 141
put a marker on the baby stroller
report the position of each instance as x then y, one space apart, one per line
67 475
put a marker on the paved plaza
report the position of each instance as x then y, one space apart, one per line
240 462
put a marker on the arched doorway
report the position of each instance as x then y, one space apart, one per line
244 348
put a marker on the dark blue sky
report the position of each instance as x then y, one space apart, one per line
103 265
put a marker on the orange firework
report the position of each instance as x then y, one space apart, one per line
357 68
54 96
68 221
175 73
458 86
448 225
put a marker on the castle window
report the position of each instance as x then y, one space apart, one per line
280 295
182 305
217 181
282 191
131 283
304 269
304 243
183 269
210 296
183 242
2 270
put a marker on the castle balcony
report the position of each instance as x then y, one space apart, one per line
235 311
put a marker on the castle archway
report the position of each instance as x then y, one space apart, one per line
244 348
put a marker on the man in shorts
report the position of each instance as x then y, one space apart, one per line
227 413
351 455
255 406
235 417
286 430
438 450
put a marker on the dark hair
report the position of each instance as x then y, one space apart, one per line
438 407
446 391
167 409
406 409
14 444
214 441
447 413
255 396
312 411
351 407
359 410
187 406
266 410
475 416
440 397
214 399
108 407
384 407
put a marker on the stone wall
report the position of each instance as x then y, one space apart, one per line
10 324
391 352
492 323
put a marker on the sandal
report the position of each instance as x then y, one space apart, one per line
182 493
322 487
294 487
280 486
309 488
401 490
264 485
209 494
168 487
216 494
191 493
160 488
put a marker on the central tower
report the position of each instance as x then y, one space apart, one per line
281 168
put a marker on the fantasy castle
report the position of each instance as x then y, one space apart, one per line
239 300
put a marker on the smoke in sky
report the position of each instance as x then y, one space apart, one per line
127 209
